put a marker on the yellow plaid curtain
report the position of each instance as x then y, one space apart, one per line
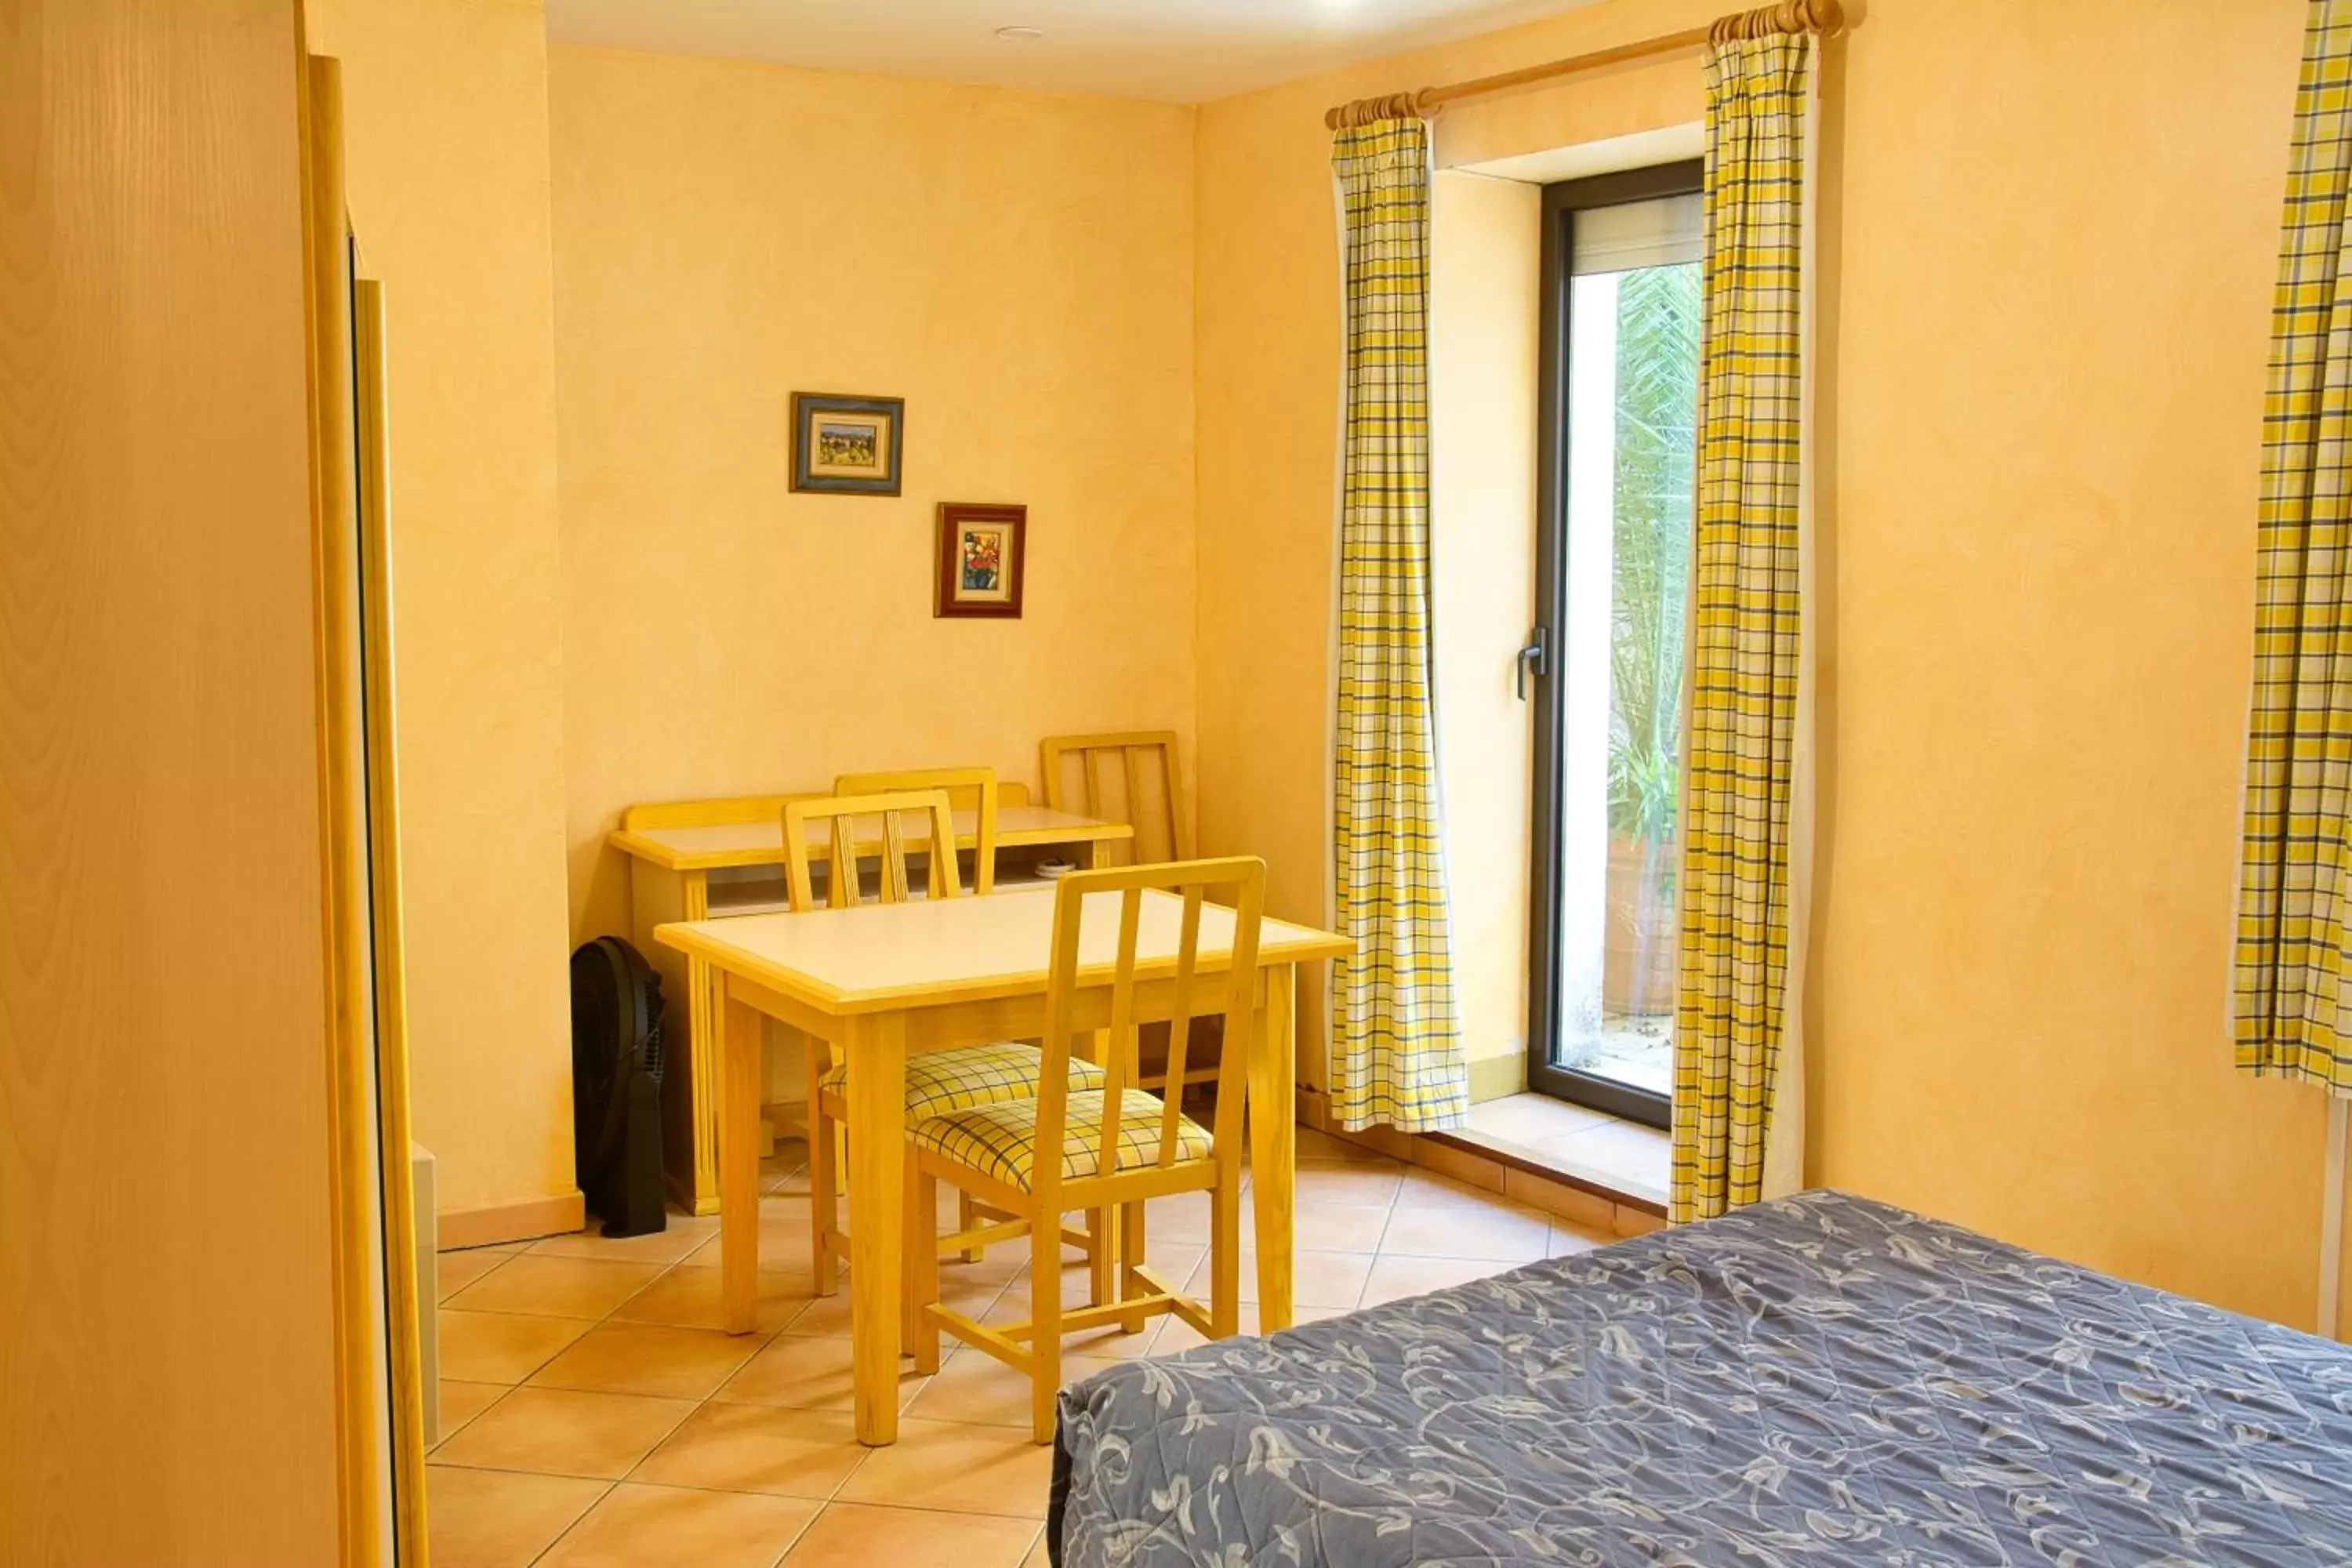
1396 1050
1747 646
2294 924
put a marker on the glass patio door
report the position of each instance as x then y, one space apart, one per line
1620 439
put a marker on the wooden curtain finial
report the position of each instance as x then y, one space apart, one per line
1823 16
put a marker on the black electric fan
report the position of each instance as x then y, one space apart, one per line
616 1073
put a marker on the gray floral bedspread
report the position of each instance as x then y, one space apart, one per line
1821 1380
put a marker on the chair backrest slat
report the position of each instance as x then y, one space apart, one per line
1092 763
969 789
840 816
1241 1019
842 891
1230 979
1121 1064
1179 1024
894 859
1131 757
1054 1075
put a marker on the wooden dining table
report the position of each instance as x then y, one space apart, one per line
881 981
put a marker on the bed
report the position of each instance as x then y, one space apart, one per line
1820 1379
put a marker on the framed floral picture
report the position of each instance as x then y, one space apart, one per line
981 550
849 446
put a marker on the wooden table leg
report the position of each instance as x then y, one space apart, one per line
1274 1144
877 1181
706 1016
738 1165
706 1081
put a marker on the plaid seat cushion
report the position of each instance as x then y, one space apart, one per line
940 1081
1000 1140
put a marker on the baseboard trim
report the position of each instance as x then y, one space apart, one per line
558 1213
682 1196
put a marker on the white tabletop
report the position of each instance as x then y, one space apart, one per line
875 957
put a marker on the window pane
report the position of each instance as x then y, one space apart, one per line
1632 458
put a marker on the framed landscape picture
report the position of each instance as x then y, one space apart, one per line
979 567
849 446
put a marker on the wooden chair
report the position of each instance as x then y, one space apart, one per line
1133 777
1149 796
969 789
936 1082
1110 1147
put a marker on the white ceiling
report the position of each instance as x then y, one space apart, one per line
1182 51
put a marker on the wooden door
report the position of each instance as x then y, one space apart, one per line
166 1273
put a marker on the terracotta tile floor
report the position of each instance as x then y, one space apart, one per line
593 1414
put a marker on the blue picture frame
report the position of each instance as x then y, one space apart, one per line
848 445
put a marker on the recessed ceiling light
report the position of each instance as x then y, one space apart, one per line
1020 35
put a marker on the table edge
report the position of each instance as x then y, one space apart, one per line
730 959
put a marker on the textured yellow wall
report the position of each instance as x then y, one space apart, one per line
2049 244
446 147
2059 230
1017 266
1485 321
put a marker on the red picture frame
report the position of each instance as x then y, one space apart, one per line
981 565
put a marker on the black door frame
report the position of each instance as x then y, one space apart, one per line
1561 203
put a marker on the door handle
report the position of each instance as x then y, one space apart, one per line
1537 654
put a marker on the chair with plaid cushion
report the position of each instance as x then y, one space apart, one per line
937 1082
1105 1147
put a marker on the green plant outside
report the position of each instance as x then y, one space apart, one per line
1655 480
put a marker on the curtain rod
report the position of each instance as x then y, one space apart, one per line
1787 16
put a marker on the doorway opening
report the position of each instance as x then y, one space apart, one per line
1618 437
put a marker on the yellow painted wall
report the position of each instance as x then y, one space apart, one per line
2049 234
1485 321
2050 358
446 147
1017 266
